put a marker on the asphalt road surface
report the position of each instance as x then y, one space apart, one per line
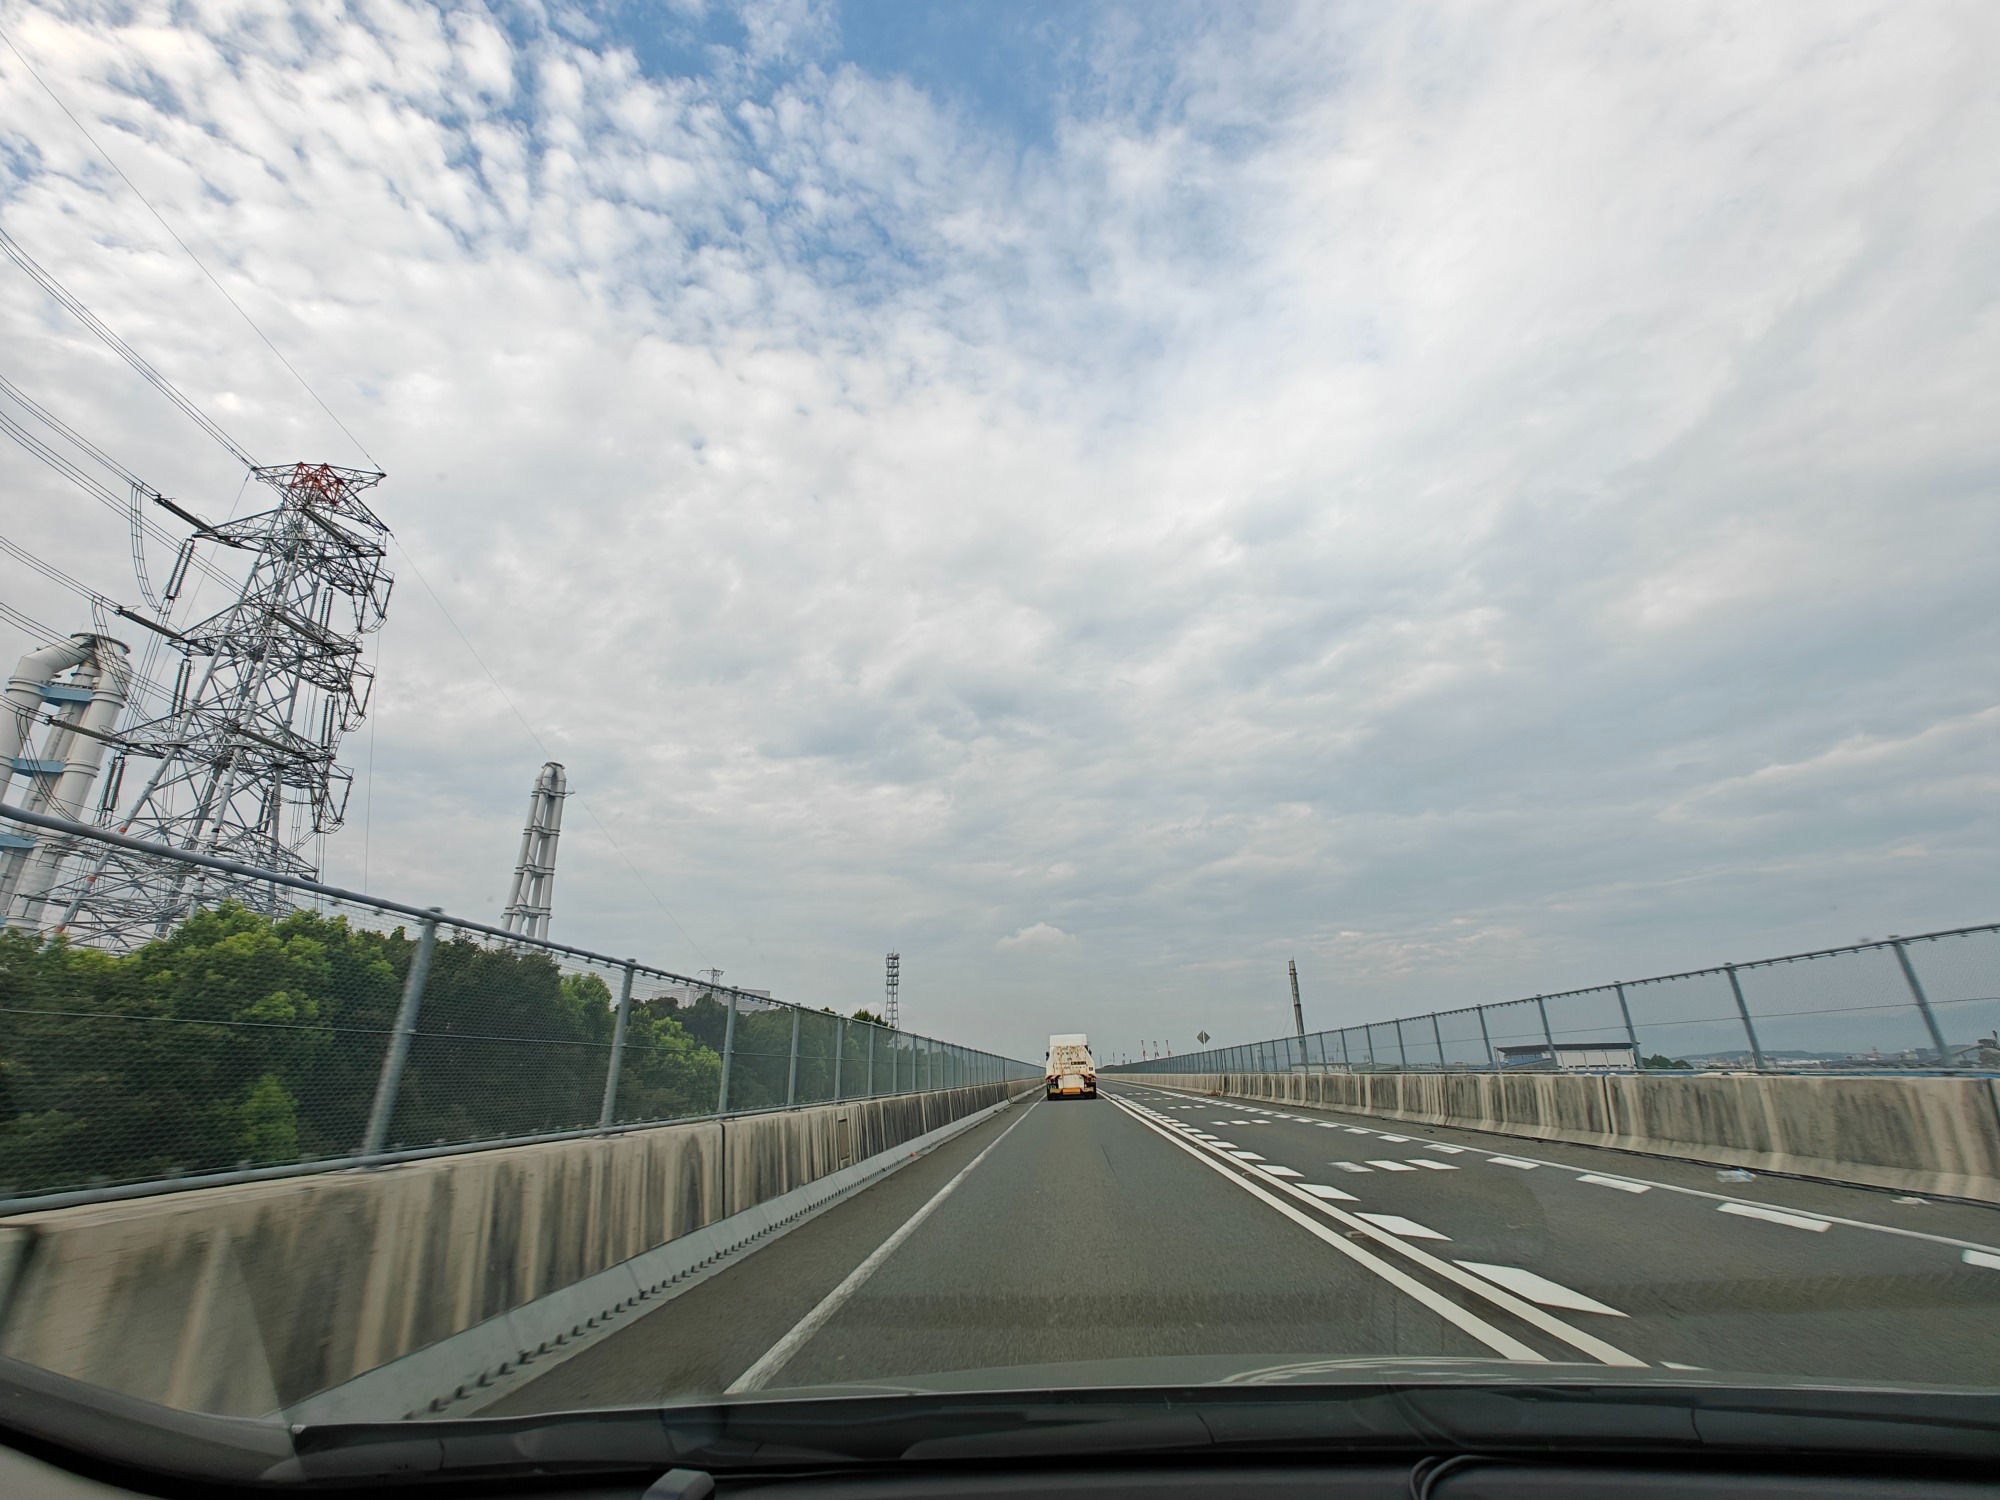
1151 1224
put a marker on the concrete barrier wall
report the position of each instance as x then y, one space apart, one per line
244 1299
1918 1135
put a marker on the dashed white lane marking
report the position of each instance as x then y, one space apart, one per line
1616 1182
1976 1258
1409 1229
1246 1156
1348 1166
1391 1166
1435 1166
1667 1364
1357 1130
1400 1140
1441 1146
1270 1171
1321 1190
1503 1344
1772 1216
1527 1312
1949 1241
1540 1289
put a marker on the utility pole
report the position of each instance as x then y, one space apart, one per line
1298 1014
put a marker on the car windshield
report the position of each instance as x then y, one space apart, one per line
1100 698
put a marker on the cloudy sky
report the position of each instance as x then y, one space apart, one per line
1100 498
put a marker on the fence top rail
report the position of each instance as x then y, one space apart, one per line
75 829
1607 987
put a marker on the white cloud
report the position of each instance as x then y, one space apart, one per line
1042 936
1391 486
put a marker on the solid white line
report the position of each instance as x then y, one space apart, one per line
1527 1312
779 1354
1503 1344
1772 1216
1540 1289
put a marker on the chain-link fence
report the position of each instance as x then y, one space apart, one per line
329 1028
1924 1003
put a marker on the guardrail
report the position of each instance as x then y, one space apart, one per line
1930 1002
317 1028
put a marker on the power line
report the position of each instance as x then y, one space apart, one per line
505 698
199 263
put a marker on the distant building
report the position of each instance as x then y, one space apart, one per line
1572 1057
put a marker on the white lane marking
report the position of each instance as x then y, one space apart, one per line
1772 1216
1513 1161
1391 1166
1435 1166
1540 1289
1357 1130
1409 1229
1271 1171
1348 1166
1981 1258
780 1354
1667 1364
1501 1343
1400 1140
1441 1146
1321 1190
1616 1182
1246 1156
1326 1125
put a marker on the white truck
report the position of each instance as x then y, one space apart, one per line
1070 1072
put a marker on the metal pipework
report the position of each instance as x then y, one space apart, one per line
38 668
76 742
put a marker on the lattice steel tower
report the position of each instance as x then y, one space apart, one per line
245 755
532 900
892 978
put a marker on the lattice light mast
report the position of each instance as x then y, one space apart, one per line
892 977
531 901
245 756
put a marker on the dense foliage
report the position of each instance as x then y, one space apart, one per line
239 1040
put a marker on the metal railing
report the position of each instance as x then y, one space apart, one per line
316 1028
1929 1002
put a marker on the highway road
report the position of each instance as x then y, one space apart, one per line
1157 1225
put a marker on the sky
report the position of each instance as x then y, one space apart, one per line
1100 498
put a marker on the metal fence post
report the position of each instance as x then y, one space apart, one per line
839 1052
1547 1035
1346 1057
1487 1037
1402 1052
728 1056
617 1059
1438 1033
1923 1003
1743 1010
398 1052
871 1061
1631 1032
792 1072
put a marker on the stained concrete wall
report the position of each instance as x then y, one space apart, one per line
245 1299
1918 1135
